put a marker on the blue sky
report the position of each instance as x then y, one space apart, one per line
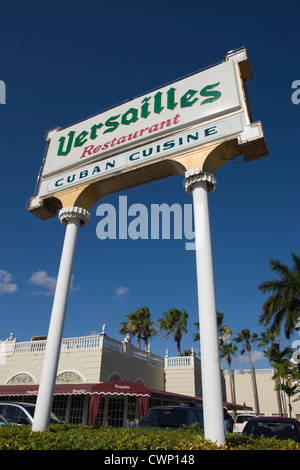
65 61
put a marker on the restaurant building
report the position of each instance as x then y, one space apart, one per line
102 381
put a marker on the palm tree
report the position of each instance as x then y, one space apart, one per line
223 330
140 325
227 350
290 376
290 390
267 338
283 305
196 335
245 337
278 360
174 322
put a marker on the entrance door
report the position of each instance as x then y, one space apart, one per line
115 412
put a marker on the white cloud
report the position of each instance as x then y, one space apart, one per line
256 356
44 281
121 291
6 284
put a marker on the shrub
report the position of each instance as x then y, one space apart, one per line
76 437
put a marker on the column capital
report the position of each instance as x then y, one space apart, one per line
195 175
70 213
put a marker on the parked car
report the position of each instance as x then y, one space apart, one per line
21 413
269 426
172 417
3 422
240 422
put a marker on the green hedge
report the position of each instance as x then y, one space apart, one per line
76 437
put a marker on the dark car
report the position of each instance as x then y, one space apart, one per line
172 417
3 422
271 426
21 413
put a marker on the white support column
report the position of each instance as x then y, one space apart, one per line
72 218
199 184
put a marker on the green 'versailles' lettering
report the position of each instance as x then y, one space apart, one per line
94 128
186 101
157 103
145 108
171 99
130 116
207 91
112 124
69 144
80 139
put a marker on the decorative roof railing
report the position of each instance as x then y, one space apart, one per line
101 342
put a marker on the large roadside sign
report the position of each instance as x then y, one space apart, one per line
206 107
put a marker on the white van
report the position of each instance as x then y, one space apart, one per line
240 422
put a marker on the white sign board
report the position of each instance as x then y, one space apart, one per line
200 98
176 144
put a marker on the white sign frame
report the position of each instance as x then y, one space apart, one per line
200 98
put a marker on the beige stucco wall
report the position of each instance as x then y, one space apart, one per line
131 369
268 404
30 364
181 381
85 363
96 363
183 376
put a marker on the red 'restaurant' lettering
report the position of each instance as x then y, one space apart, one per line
91 149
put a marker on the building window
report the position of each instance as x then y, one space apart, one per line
77 409
100 416
21 379
68 377
114 376
115 412
139 381
60 406
132 415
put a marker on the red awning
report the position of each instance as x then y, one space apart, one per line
236 406
18 390
105 388
198 401
119 388
176 397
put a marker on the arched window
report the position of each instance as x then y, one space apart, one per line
22 378
114 376
69 376
139 381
